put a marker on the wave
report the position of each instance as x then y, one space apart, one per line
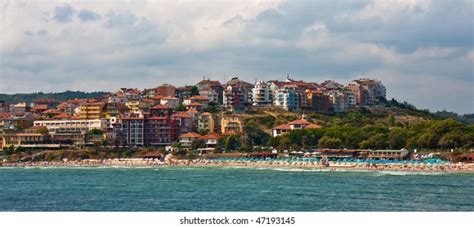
407 173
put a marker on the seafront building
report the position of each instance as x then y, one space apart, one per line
160 116
293 125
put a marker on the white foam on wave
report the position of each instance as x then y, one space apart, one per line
407 173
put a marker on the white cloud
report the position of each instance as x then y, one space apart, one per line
107 45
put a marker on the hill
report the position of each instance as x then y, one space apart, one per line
61 96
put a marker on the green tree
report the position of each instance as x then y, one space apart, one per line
397 138
42 130
377 141
180 108
194 91
329 142
196 144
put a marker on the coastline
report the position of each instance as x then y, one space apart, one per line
143 163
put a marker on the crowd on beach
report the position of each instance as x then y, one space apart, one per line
269 163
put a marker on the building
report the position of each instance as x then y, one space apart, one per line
170 101
234 99
48 103
261 94
94 110
232 123
72 125
206 122
166 90
19 108
367 91
204 101
183 92
237 94
13 123
293 125
122 99
338 101
290 98
212 89
149 130
130 94
28 140
187 139
318 101
387 154
211 141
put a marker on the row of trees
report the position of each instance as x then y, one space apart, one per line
431 134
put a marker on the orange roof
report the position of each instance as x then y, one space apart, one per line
211 136
54 111
194 104
198 97
170 98
302 122
41 107
182 114
206 114
4 115
191 111
62 116
161 107
190 135
157 97
313 126
283 127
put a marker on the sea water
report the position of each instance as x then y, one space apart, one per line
231 189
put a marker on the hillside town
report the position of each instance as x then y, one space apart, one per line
168 116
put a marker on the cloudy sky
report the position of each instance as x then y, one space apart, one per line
421 50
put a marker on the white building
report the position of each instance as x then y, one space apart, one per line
261 94
171 102
290 98
76 125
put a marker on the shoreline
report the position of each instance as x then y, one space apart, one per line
141 163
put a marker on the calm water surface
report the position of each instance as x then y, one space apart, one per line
230 189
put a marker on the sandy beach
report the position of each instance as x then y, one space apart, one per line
138 162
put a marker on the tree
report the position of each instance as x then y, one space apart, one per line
194 91
329 142
377 141
42 130
232 143
95 132
397 138
196 144
180 108
450 140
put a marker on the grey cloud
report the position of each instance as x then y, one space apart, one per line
120 19
419 53
63 13
88 15
42 32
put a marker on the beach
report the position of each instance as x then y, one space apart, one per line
269 163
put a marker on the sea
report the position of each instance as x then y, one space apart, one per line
231 189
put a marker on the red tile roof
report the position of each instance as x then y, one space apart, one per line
194 104
300 122
62 116
283 127
312 126
161 107
190 135
198 97
211 136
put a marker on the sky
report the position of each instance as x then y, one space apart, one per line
421 50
